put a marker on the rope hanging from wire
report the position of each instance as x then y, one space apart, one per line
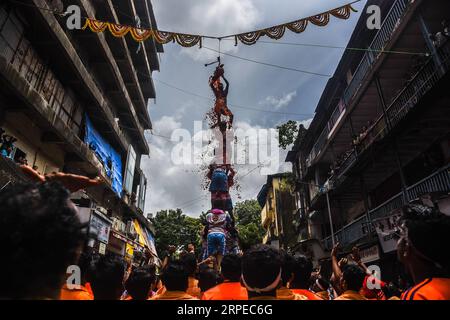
247 38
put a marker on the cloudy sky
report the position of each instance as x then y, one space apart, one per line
289 95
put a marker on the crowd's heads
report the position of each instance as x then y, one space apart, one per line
302 272
190 263
175 276
231 267
140 282
107 278
352 278
287 268
207 279
391 290
424 232
43 236
261 270
191 247
86 262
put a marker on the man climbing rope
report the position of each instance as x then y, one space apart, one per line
221 93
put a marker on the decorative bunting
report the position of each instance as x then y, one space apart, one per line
247 38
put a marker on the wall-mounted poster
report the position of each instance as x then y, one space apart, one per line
100 227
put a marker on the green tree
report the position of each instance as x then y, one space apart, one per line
175 228
248 223
287 133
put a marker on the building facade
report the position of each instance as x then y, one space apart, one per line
77 102
278 213
380 136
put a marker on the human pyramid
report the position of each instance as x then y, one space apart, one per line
220 236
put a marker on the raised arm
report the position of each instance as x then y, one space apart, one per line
227 85
337 272
357 258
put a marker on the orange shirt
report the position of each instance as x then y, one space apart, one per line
323 295
173 295
193 288
429 289
286 294
263 298
88 287
351 295
226 291
308 294
75 294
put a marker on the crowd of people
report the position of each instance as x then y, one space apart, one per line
7 150
439 38
43 232
6 144
357 140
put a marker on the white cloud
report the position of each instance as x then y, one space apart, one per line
305 123
212 18
280 102
172 186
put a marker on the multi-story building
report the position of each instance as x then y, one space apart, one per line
380 136
278 213
77 102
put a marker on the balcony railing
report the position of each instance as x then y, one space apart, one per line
381 39
425 79
357 229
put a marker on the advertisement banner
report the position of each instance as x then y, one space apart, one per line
129 249
386 229
100 227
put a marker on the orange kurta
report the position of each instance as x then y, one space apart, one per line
308 294
75 294
193 288
351 295
226 291
173 295
287 294
429 289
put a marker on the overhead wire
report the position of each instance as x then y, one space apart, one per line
269 64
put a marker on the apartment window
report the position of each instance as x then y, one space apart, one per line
142 192
71 111
129 172
11 32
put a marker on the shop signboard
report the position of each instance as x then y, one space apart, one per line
370 254
102 248
129 249
100 227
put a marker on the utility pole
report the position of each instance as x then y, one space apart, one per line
323 189
330 218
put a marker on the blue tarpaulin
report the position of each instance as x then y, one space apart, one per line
109 157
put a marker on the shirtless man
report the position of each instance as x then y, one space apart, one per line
221 93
